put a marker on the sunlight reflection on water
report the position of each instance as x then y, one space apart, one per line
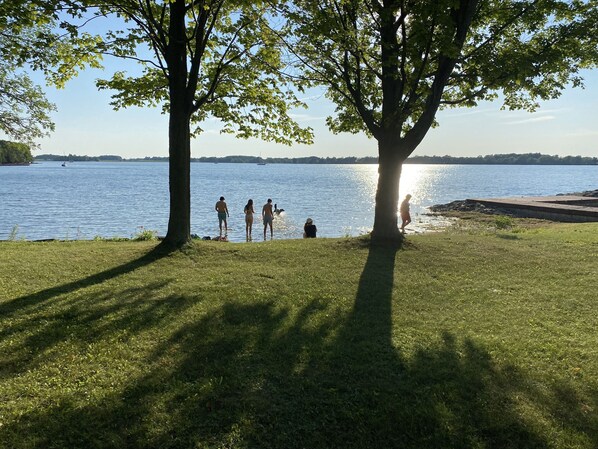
421 181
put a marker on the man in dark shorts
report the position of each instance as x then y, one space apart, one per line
222 215
268 216
405 215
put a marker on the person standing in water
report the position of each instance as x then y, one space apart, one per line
248 219
405 215
222 210
268 216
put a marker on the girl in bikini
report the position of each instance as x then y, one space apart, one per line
248 219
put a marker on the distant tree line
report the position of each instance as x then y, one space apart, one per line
75 158
286 160
14 153
492 159
506 159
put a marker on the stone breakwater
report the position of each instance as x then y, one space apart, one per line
590 193
572 207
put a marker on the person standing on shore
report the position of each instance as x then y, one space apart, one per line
248 219
222 210
268 216
405 214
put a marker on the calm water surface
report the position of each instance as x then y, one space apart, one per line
88 199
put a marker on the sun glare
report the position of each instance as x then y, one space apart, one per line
418 180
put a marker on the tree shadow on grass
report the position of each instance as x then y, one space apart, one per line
19 304
34 325
269 375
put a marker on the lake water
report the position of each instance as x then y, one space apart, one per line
88 199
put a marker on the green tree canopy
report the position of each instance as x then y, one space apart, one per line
34 37
390 65
24 110
232 64
14 153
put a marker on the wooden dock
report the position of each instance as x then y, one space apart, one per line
568 208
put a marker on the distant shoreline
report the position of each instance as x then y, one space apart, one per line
494 159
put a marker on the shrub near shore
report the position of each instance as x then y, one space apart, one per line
462 339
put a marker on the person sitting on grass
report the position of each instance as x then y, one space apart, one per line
309 229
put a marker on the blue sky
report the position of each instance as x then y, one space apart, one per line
87 125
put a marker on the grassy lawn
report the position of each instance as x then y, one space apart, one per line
469 338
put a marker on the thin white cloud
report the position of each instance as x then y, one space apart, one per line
551 111
543 118
312 97
519 115
306 117
583 133
446 113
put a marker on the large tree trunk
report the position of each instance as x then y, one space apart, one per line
390 164
179 221
179 138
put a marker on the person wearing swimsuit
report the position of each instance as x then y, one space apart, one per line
248 219
268 216
222 215
405 214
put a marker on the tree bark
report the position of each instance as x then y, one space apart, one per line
179 138
179 221
390 165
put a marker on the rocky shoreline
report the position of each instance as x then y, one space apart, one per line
474 206
590 193
464 206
